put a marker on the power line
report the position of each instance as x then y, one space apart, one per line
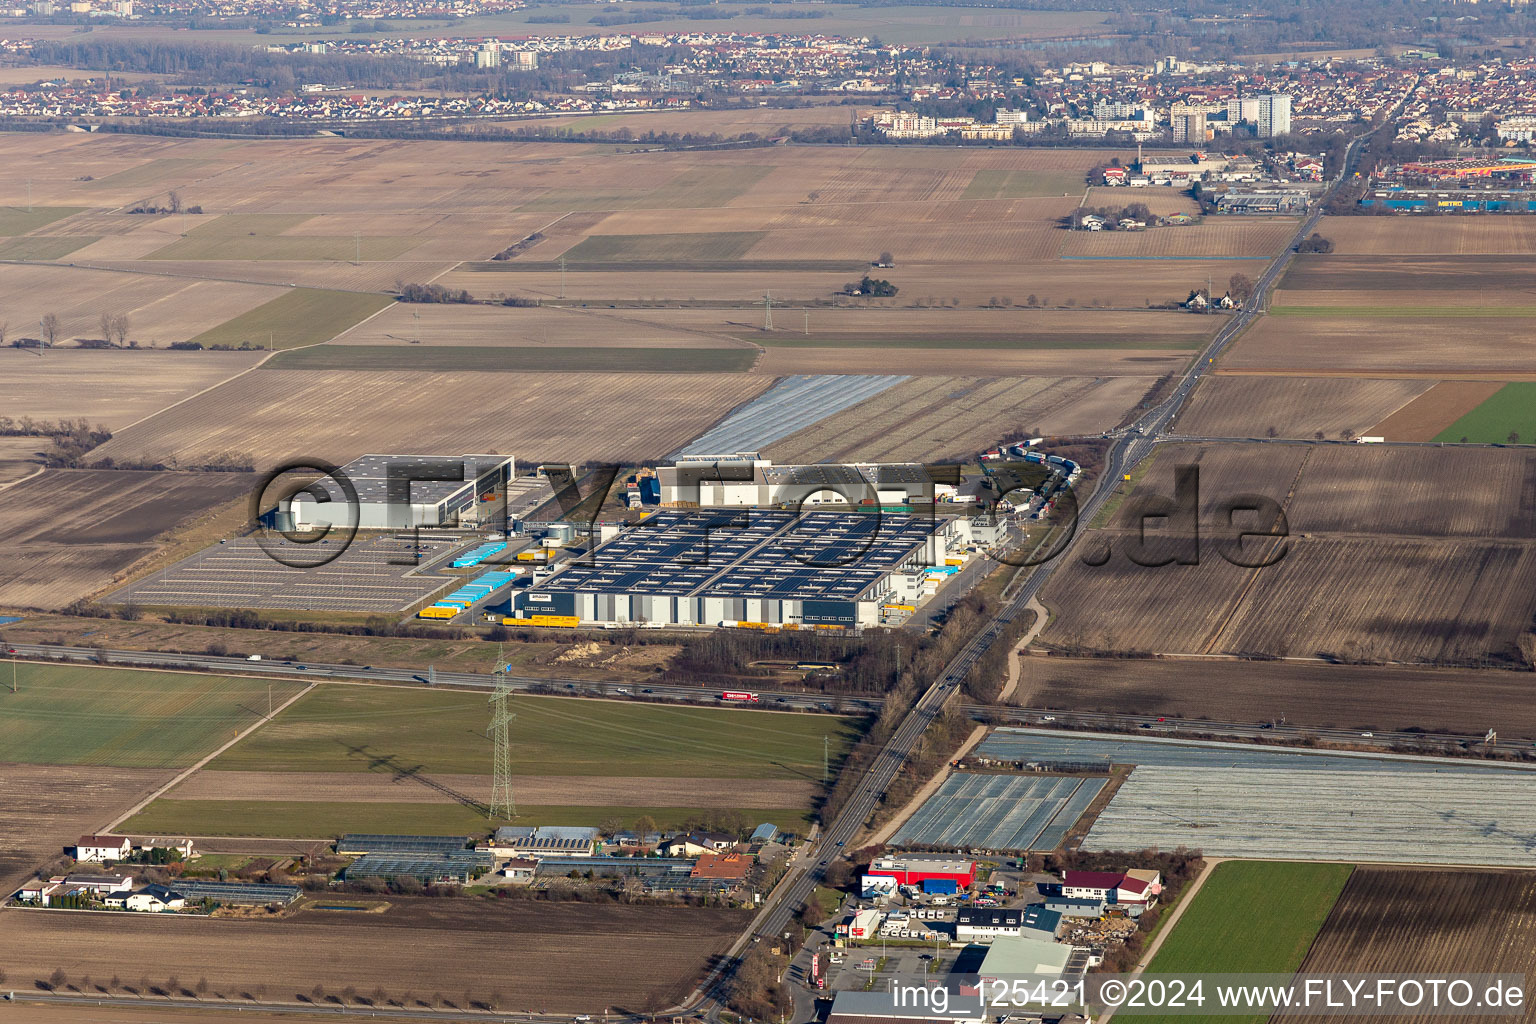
502 803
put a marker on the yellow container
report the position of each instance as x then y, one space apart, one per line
560 621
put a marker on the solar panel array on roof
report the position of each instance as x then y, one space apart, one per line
236 892
372 842
750 553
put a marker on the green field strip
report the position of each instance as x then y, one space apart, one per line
1021 184
681 266
42 247
79 715
1257 917
687 245
298 819
155 172
16 221
515 358
706 187
349 728
260 236
558 200
1511 410
961 340
1407 312
301 316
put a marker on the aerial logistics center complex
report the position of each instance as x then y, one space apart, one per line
771 567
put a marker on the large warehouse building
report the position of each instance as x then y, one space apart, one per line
743 479
705 567
396 492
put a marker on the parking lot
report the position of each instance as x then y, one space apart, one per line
377 573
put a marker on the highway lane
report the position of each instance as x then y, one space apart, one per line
783 700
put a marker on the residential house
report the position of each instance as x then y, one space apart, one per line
519 869
40 892
696 844
725 867
1136 886
102 849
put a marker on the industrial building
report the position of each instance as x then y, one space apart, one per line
539 841
1011 956
985 924
742 479
1267 202
759 567
916 870
881 1006
400 491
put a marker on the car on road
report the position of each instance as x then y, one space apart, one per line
1266 725
622 689
1047 718
582 1018
1368 735
647 690
781 700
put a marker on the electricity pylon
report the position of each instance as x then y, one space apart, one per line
502 803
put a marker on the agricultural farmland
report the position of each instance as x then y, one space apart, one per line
1422 921
1386 346
1430 236
1307 694
109 388
1241 800
1228 405
57 555
1448 582
275 958
160 310
127 718
1113 283
1255 917
999 812
1238 237
955 417
392 759
44 808
340 414
1508 415
1426 416
445 732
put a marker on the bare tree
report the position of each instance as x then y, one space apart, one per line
1240 286
57 979
174 201
4 329
201 988
50 328
106 327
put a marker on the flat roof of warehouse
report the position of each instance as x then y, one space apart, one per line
750 553
371 475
